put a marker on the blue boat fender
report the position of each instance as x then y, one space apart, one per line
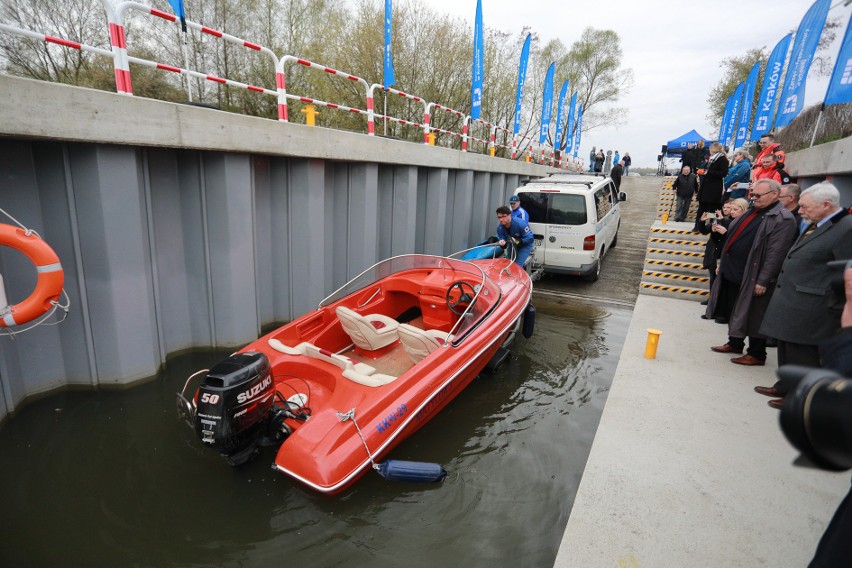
411 472
529 320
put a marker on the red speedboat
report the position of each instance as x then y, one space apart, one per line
338 388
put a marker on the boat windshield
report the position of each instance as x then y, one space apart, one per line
471 273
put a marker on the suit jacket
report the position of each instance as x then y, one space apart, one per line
776 233
804 309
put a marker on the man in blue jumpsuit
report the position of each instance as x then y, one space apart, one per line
517 210
517 230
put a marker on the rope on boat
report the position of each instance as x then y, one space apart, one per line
345 417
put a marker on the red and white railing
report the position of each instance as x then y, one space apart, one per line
386 118
121 62
282 90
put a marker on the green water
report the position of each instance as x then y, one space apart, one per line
115 479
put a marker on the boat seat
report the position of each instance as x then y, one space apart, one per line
369 332
418 343
360 373
311 350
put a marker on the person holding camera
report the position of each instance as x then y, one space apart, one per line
830 438
751 260
804 310
717 227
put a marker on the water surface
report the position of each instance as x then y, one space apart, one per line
115 479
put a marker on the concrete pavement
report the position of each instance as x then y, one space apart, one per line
689 466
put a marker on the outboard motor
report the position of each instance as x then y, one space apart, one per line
235 406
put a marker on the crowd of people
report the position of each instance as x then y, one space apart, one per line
606 162
767 252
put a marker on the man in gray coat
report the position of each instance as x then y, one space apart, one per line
804 310
754 250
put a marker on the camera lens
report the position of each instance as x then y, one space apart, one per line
817 421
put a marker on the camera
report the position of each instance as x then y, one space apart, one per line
816 416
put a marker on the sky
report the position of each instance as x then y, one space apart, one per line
674 48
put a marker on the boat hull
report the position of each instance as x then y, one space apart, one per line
349 407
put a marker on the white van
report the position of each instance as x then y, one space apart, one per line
575 219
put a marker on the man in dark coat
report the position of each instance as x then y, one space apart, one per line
804 310
685 186
615 173
789 198
751 260
690 157
711 189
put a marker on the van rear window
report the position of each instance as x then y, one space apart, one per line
554 208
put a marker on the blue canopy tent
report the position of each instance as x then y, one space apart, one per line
677 146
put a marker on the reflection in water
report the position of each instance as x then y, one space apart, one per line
115 479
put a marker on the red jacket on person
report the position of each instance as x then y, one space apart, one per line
758 164
771 174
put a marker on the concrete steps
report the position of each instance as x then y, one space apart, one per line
668 201
674 254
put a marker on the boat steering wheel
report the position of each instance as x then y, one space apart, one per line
461 299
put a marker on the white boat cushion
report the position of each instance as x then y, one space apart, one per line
369 332
311 350
374 380
418 342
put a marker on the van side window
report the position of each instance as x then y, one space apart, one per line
602 202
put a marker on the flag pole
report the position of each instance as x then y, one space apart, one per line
816 127
186 61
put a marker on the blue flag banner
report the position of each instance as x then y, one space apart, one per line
390 76
522 77
569 127
840 86
764 115
804 46
731 129
177 6
560 116
579 130
546 104
478 65
745 109
723 126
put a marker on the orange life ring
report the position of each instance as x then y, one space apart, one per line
50 276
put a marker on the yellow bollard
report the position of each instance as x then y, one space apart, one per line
432 138
310 115
665 218
529 158
651 345
492 151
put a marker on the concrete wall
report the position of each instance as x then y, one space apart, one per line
182 227
832 161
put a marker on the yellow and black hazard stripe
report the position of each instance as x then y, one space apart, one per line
673 231
674 264
676 242
664 288
675 252
671 276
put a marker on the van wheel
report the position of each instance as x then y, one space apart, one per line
593 277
